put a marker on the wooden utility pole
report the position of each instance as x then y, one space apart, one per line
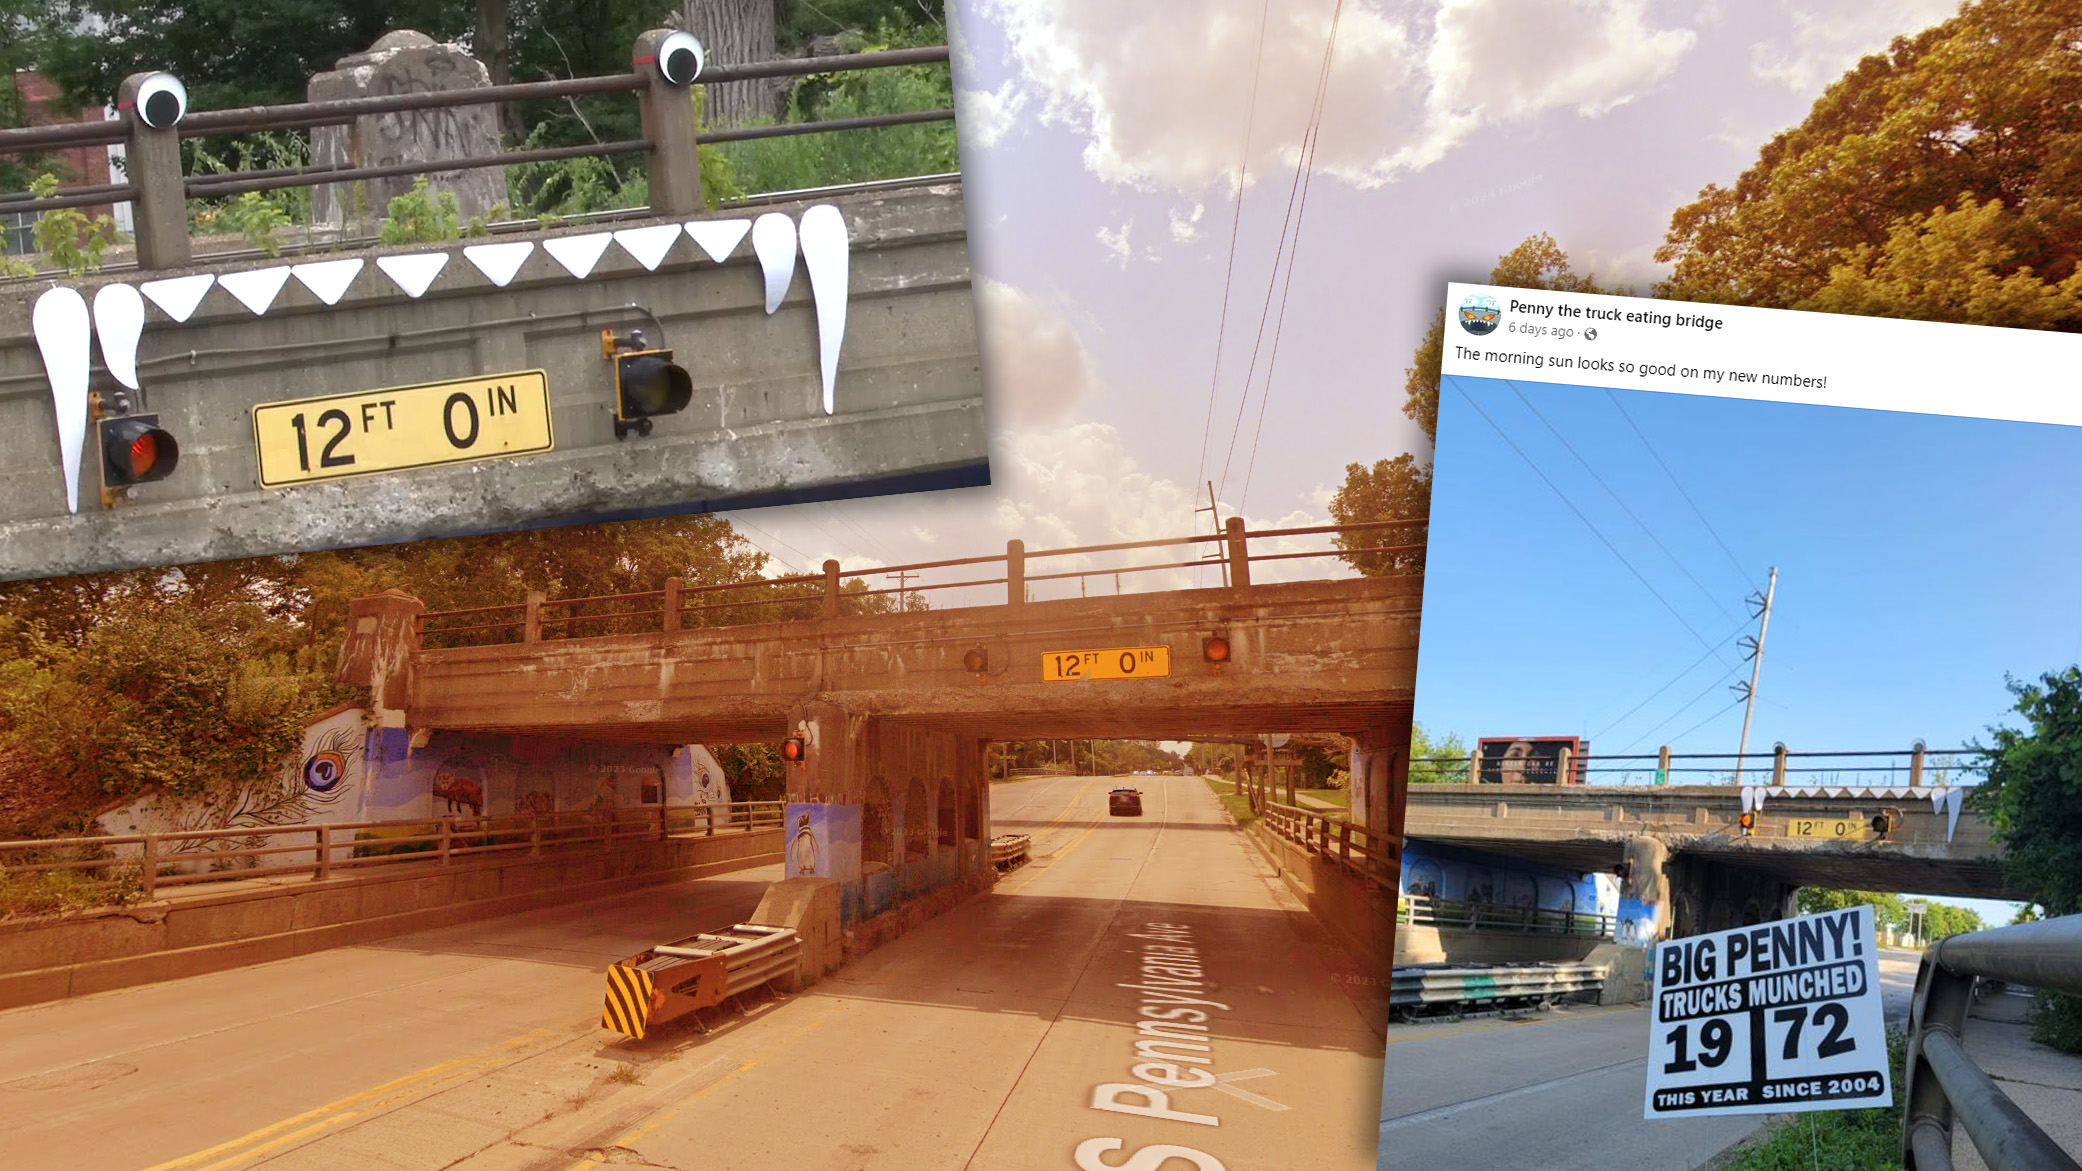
1756 668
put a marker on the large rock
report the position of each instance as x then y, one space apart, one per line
405 62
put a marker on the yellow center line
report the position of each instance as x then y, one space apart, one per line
341 1107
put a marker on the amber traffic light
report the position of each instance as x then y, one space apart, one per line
135 449
976 662
1215 649
1748 822
647 384
792 750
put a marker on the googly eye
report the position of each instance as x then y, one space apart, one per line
680 58
161 100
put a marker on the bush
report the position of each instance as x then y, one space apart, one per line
422 217
2056 1021
73 241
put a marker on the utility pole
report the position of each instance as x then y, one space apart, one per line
903 580
1755 647
1219 554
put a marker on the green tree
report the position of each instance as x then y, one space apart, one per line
1978 117
1888 909
2033 791
1439 770
1392 489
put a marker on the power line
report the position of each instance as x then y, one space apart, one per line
1709 719
1624 507
1674 483
1645 583
736 519
1672 683
1308 164
1287 224
1243 166
1688 705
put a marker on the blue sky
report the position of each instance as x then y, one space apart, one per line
1920 558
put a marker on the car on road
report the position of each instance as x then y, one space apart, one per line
1124 802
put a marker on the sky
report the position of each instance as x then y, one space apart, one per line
1593 598
1101 144
1100 148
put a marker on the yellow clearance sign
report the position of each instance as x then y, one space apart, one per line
311 439
1836 828
1130 662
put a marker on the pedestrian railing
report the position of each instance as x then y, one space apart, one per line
1374 856
842 592
137 865
158 190
1912 767
1416 987
1421 911
1944 1085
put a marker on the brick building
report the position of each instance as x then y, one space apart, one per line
76 166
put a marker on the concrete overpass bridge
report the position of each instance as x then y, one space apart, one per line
859 376
895 709
1691 856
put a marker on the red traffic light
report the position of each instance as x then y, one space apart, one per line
1215 649
792 750
136 450
976 662
1748 822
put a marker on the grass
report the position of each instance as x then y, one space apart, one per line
626 1076
1238 805
56 892
1835 1140
1342 798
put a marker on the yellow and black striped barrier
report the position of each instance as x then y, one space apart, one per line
674 979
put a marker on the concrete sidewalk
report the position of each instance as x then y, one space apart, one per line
2045 1084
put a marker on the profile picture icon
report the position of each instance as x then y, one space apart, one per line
1480 313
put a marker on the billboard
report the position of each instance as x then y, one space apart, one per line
1529 760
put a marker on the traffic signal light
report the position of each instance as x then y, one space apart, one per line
976 662
1884 821
135 449
1748 822
646 383
1625 871
792 750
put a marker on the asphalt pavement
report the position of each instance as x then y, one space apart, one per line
1153 965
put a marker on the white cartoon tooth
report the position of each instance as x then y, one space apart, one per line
498 262
718 238
178 296
327 279
773 239
256 288
825 252
64 332
578 254
414 272
119 317
648 245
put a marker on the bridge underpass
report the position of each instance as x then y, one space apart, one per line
1011 1030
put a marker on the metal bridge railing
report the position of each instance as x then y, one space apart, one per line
1911 767
159 191
1374 856
1419 911
1944 1085
130 865
1004 579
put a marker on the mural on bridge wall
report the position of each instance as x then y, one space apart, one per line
348 772
1450 875
823 842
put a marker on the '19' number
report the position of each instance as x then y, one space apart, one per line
1716 1037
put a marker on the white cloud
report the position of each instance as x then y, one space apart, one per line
1118 249
1823 46
1160 89
984 117
1186 228
925 536
1037 367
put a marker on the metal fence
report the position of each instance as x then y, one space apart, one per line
1420 911
140 864
1912 767
1944 1085
158 189
841 592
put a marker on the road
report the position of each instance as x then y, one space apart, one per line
975 1041
1558 1091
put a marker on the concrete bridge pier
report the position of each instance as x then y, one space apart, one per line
922 796
1710 895
1380 774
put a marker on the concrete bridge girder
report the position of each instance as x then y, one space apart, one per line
908 396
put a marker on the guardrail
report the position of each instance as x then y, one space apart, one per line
159 191
1416 987
1912 767
1944 1085
1420 911
1374 856
808 597
133 864
676 979
1008 850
